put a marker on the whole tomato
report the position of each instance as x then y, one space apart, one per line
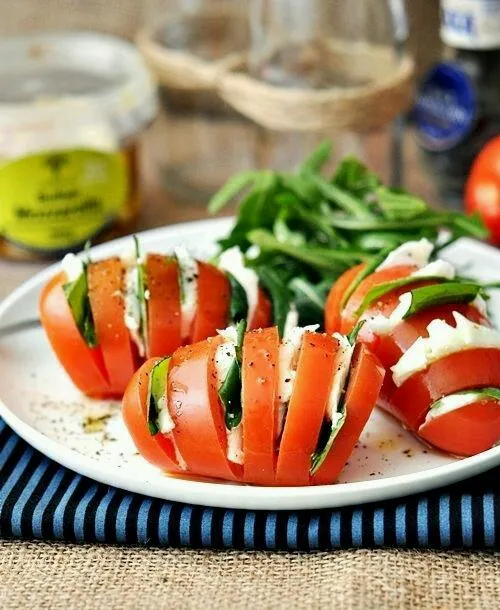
482 191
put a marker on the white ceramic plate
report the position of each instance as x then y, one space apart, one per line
38 401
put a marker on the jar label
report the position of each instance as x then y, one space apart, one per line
57 200
471 24
445 108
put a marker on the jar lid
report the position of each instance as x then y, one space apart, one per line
49 76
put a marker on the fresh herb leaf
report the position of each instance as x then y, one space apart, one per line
317 159
280 295
309 300
328 434
238 306
367 270
355 177
77 295
230 390
231 189
157 393
343 199
142 291
441 294
399 205
352 337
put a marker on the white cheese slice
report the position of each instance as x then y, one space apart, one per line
411 253
341 371
132 311
72 267
232 262
443 340
166 425
188 275
450 403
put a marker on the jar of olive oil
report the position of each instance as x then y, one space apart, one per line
72 108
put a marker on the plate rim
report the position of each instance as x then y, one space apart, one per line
223 495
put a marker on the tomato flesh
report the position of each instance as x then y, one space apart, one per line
259 389
306 409
214 295
83 364
465 431
335 298
157 449
263 314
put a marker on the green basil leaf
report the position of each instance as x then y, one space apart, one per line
441 294
367 270
142 288
327 436
377 292
279 294
317 159
230 390
238 307
77 296
233 187
352 337
156 393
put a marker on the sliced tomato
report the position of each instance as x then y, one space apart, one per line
164 305
365 381
306 409
214 295
105 281
263 314
83 364
335 298
465 370
465 431
157 449
349 317
200 431
259 389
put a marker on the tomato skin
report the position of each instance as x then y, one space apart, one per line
83 364
164 306
335 297
105 281
365 381
158 449
214 295
263 315
480 420
348 317
465 370
259 401
200 432
306 409
482 190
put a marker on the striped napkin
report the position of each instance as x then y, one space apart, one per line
40 499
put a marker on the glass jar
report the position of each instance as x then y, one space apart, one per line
72 108
325 69
199 141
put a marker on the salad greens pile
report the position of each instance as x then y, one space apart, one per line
307 228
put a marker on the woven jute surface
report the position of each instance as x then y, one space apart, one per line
42 575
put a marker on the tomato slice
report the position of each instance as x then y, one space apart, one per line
158 449
259 389
83 364
214 295
164 305
465 370
365 381
306 410
200 431
349 318
333 307
465 431
105 280
263 315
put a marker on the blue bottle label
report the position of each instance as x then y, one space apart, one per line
445 108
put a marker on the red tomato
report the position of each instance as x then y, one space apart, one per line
482 190
214 294
83 364
105 280
200 431
349 317
362 393
335 297
465 370
306 410
258 397
158 449
263 315
164 307
465 431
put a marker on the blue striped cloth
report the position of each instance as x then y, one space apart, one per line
40 499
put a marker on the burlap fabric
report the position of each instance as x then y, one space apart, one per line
39 575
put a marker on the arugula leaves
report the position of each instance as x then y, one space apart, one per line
281 297
157 393
77 295
442 294
230 390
